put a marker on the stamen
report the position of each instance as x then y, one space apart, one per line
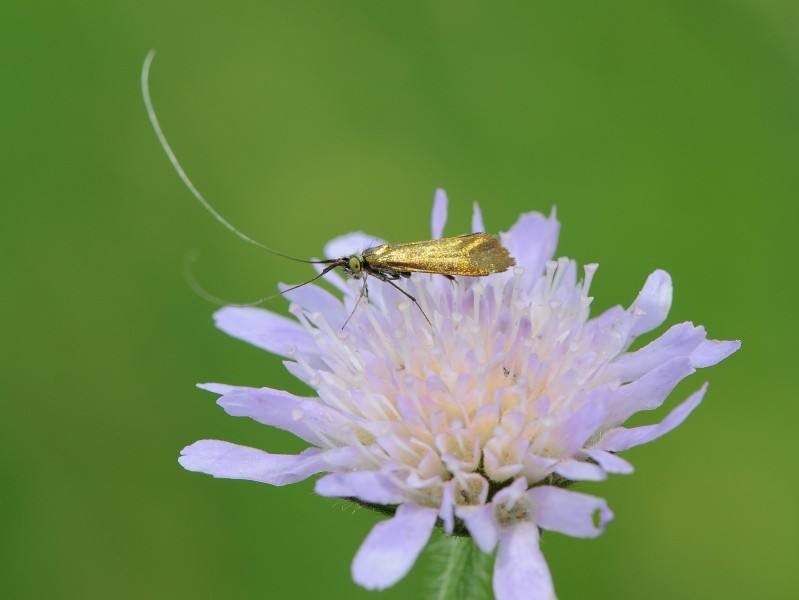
477 290
341 348
590 271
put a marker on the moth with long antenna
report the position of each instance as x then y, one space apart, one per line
473 255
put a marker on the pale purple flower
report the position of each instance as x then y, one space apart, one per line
475 423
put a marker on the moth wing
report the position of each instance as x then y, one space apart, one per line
472 255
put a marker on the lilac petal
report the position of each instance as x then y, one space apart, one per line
711 352
369 486
648 392
617 321
313 299
439 218
391 548
264 329
609 462
619 439
477 219
652 306
347 458
231 461
566 437
520 571
580 471
511 494
304 417
679 340
481 524
537 467
346 245
446 511
494 467
532 241
299 371
218 388
571 513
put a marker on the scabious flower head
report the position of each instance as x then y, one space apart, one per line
475 422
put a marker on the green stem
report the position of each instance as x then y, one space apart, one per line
463 571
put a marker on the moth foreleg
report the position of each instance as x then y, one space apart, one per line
364 294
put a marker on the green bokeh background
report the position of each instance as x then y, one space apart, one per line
667 134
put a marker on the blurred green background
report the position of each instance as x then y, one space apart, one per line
667 134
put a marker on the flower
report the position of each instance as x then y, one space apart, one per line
477 421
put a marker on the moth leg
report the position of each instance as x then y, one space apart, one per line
364 290
407 295
364 294
386 274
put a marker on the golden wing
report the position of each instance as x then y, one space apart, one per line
473 255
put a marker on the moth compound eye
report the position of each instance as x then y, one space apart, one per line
355 264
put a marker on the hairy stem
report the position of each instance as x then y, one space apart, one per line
463 571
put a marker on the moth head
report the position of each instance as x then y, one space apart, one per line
355 265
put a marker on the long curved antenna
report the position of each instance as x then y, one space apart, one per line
188 275
145 89
190 259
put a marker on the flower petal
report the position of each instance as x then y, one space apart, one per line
304 417
648 392
619 439
520 571
231 461
537 467
218 388
580 471
679 340
369 486
571 513
571 432
313 299
711 352
301 372
446 512
532 241
481 524
609 462
477 219
391 548
439 218
652 306
609 331
346 245
264 329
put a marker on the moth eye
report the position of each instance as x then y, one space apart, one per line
355 264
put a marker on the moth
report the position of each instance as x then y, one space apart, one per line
471 255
